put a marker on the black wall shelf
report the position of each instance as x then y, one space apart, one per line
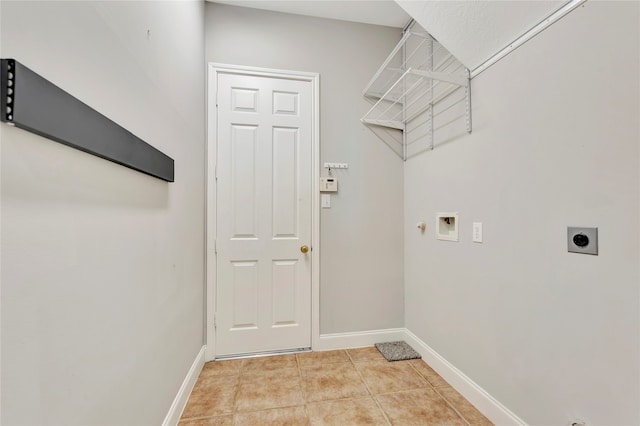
33 103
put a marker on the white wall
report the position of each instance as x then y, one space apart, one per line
102 266
552 335
361 247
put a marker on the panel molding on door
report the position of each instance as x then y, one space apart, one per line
285 170
244 284
243 153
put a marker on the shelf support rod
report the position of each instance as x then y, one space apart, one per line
395 50
395 101
431 64
467 105
404 101
449 78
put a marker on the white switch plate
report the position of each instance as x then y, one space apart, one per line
326 201
477 232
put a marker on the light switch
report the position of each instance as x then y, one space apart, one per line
326 201
477 232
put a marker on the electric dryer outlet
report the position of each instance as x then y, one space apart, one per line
582 240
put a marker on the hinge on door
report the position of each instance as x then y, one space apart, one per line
215 246
215 322
215 171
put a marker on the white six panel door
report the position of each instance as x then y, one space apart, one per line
263 297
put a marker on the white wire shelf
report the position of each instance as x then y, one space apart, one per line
418 74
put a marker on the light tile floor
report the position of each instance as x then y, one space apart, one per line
343 387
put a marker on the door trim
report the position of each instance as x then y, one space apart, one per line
213 69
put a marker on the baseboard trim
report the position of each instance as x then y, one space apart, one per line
180 401
488 405
358 339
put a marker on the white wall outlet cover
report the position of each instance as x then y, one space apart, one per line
326 201
447 226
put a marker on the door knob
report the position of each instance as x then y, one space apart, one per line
304 249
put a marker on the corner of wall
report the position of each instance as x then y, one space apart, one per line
180 401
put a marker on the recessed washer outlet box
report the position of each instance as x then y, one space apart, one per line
582 240
447 226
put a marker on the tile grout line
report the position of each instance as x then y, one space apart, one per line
214 377
420 374
439 394
257 375
384 413
190 419
348 361
426 378
241 374
374 397
450 404
304 394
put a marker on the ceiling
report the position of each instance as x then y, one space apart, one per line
378 12
472 30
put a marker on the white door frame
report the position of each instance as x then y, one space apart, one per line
211 153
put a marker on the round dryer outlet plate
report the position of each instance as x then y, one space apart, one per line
582 240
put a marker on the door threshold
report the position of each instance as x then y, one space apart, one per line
261 354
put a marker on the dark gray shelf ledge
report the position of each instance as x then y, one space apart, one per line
32 103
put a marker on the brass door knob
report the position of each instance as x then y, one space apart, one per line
304 249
